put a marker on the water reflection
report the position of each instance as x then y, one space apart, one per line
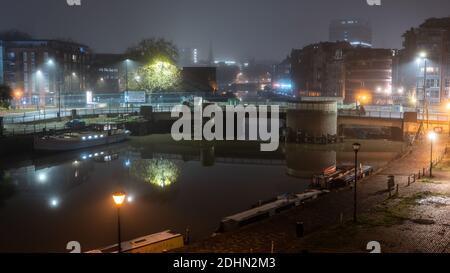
7 187
305 163
158 172
168 185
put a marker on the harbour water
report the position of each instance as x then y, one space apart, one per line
48 200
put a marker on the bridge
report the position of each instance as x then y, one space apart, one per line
27 123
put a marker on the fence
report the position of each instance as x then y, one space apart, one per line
422 173
53 114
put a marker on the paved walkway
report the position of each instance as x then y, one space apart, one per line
323 215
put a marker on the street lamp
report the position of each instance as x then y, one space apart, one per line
119 198
432 136
356 147
51 63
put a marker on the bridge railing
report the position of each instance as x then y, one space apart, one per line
28 117
438 117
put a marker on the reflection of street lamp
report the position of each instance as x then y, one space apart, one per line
119 198
356 147
432 136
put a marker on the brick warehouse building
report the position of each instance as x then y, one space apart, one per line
40 70
337 69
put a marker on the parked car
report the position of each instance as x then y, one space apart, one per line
75 124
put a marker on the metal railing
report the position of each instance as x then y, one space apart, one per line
29 117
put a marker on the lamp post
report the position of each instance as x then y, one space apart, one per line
119 198
356 147
56 81
432 136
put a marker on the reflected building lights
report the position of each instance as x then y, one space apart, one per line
54 202
42 177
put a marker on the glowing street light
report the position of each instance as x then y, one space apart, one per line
432 136
18 94
119 198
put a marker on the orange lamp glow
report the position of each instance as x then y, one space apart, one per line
119 198
18 94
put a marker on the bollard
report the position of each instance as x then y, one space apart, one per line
409 181
396 190
300 229
414 178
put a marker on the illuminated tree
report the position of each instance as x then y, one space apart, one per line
158 172
157 71
158 75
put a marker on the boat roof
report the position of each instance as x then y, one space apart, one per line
139 242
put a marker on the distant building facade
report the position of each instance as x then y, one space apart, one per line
188 57
281 77
368 74
105 73
317 69
433 39
357 32
43 68
341 70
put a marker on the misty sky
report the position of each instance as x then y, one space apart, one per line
261 29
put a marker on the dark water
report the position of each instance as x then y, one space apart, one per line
48 201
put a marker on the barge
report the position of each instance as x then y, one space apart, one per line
283 202
79 140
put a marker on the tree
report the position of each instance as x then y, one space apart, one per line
148 50
5 96
158 75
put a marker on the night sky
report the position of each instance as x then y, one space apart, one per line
238 29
